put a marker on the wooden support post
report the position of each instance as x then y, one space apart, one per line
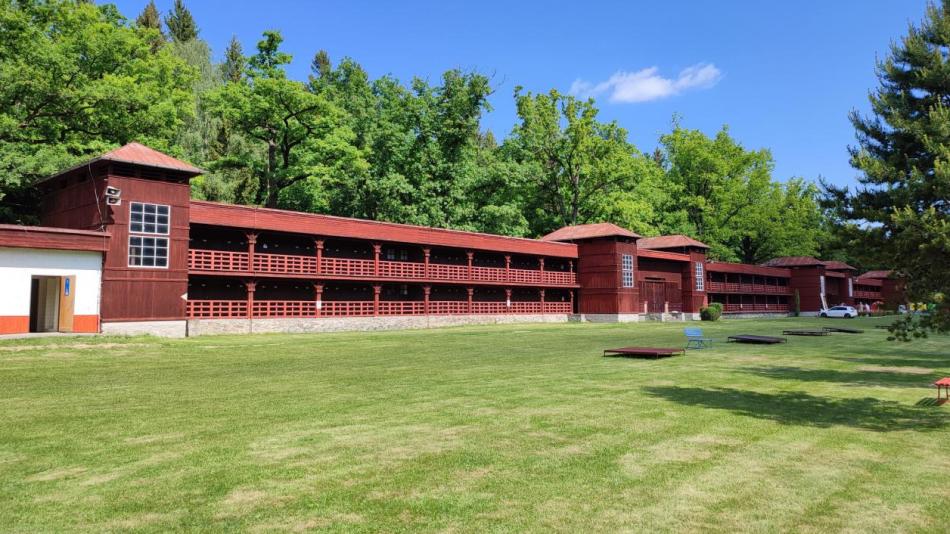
471 291
319 244
426 290
376 250
508 297
251 248
541 291
377 289
571 294
318 294
251 286
570 265
471 256
507 267
426 253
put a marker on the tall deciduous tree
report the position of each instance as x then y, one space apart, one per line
181 24
75 80
422 145
901 212
576 161
301 135
731 201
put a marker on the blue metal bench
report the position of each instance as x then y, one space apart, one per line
695 339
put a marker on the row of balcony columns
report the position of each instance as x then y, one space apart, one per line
377 250
251 286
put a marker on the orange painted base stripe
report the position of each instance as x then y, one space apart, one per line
86 323
12 324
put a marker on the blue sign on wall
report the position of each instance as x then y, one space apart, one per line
66 287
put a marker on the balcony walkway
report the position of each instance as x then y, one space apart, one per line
221 262
762 289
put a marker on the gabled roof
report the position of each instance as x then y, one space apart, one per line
876 274
794 261
588 231
138 154
670 241
836 265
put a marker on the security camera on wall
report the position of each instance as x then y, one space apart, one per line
113 196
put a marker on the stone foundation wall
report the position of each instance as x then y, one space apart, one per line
756 315
203 327
151 328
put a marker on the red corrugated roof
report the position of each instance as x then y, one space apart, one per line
45 237
836 265
588 231
794 261
251 217
661 255
670 241
138 154
744 268
877 275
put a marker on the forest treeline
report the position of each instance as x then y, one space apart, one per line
77 79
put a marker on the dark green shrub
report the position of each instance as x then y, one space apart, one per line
712 312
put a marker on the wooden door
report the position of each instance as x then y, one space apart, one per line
654 293
67 299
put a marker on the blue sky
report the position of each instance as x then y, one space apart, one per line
782 75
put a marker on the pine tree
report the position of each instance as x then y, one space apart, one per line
181 25
150 17
233 66
901 212
320 65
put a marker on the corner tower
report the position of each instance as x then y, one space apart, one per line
141 198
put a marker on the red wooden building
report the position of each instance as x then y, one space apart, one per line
172 264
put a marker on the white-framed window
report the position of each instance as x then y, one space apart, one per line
146 223
149 218
700 277
626 269
148 251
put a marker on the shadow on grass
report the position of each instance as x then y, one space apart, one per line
852 378
891 361
797 408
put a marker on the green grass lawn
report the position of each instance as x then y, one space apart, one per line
502 428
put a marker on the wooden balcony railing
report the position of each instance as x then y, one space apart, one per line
871 295
223 261
732 287
208 309
755 308
217 260
274 309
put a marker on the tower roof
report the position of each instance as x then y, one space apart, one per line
138 154
588 231
670 241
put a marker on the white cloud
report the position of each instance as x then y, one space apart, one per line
647 84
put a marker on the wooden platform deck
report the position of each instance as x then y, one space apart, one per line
843 330
758 340
805 332
653 352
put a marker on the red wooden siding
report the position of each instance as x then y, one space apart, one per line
15 236
599 274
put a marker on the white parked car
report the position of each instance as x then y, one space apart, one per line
839 311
